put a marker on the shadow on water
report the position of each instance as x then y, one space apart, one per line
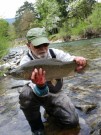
53 129
82 89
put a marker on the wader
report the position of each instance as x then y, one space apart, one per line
57 104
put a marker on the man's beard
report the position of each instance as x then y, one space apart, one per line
40 56
43 55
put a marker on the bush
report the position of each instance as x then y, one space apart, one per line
4 45
79 29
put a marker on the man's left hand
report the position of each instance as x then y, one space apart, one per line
81 62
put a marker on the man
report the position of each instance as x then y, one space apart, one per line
40 92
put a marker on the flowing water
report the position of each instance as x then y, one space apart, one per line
90 49
84 90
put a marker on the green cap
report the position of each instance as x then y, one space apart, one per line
37 36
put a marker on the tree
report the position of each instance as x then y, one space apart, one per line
26 7
80 9
62 8
48 15
94 20
25 16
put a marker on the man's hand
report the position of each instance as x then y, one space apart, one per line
81 62
38 77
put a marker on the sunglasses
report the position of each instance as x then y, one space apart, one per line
39 46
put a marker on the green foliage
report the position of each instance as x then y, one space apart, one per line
61 18
48 12
80 9
11 32
65 30
4 45
70 14
4 37
79 29
91 26
4 26
95 18
63 4
77 22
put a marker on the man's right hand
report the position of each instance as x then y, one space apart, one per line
38 77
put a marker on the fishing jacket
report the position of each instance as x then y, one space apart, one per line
54 85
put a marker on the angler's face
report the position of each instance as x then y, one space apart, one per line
39 51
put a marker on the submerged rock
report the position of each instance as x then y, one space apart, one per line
86 108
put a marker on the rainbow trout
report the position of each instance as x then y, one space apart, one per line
55 69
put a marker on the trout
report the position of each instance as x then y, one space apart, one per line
55 69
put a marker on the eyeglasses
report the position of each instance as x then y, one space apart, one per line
39 46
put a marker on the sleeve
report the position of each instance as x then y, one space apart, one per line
63 56
24 60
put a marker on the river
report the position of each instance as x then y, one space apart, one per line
83 89
90 49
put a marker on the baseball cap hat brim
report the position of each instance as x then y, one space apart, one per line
40 40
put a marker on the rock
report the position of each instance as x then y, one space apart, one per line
97 129
5 66
86 108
